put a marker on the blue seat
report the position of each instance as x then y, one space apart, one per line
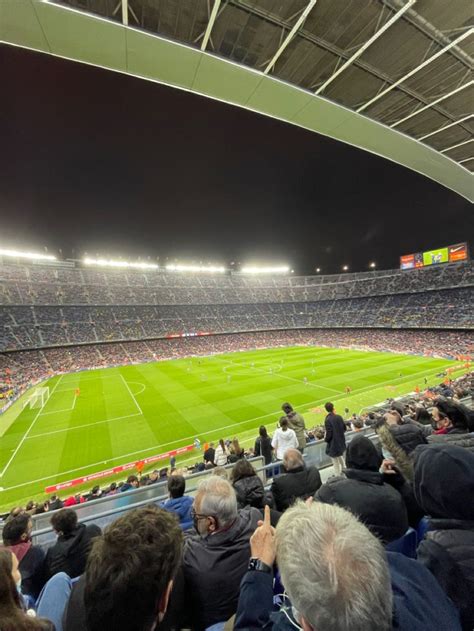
406 545
422 528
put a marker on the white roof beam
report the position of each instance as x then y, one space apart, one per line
437 131
368 43
125 12
435 102
465 160
460 144
290 35
210 24
417 69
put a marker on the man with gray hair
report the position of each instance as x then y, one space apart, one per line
216 558
338 577
299 481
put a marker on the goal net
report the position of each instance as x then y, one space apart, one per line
38 398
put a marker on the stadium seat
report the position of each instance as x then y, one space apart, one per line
406 545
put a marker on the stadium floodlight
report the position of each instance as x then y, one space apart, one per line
254 269
345 268
122 264
318 269
177 267
27 255
373 265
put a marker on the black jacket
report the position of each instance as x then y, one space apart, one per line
31 567
377 505
263 447
408 436
69 553
335 438
456 437
209 455
249 491
213 568
444 486
302 483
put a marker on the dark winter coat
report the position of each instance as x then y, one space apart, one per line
444 487
213 568
299 483
249 491
335 435
362 491
418 601
263 447
31 566
181 506
69 553
456 437
408 436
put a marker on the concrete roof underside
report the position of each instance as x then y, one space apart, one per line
392 77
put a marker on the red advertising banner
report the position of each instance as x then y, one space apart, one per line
119 469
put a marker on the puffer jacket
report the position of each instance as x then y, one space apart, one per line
455 437
408 436
299 483
444 487
249 491
181 506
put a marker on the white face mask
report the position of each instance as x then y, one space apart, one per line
18 586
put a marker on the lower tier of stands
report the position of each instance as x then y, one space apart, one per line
20 370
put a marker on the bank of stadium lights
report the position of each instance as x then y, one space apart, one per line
121 264
32 256
213 269
255 269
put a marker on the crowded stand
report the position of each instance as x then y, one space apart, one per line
402 525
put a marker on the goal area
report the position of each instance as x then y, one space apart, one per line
37 399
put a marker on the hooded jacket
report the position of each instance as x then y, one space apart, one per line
69 553
444 487
213 567
362 491
249 491
182 507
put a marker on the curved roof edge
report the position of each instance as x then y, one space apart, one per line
71 34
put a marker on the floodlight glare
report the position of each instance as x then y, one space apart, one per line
122 264
177 267
345 268
372 265
27 255
318 269
254 269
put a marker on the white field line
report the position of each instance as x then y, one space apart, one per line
25 436
218 429
309 383
65 410
131 394
70 429
138 383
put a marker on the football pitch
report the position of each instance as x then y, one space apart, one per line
97 419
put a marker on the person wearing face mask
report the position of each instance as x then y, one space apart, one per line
17 536
451 425
215 559
12 614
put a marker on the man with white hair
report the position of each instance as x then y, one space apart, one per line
216 558
299 481
338 577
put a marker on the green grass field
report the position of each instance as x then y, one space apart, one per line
128 413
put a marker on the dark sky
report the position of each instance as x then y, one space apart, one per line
100 162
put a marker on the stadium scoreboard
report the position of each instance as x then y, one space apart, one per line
449 254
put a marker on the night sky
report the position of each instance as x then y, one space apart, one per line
98 162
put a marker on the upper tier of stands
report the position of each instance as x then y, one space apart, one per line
74 285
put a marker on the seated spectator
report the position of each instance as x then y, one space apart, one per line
247 485
407 435
451 426
17 537
222 454
215 560
444 487
129 574
236 451
357 426
55 503
299 481
69 553
361 490
221 472
179 503
296 423
94 494
338 577
12 614
153 478
131 483
263 445
209 455
284 438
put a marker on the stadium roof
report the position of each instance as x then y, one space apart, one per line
390 76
